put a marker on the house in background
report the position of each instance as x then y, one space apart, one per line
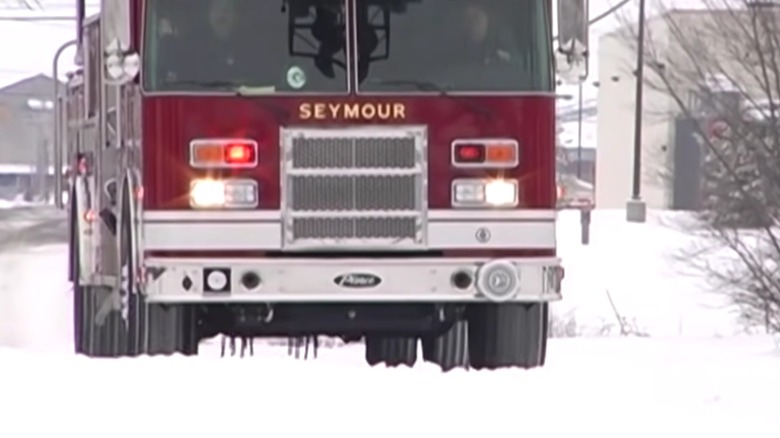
26 129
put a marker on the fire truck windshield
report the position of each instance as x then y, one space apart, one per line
459 45
226 45
414 46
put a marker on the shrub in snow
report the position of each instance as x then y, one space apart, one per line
720 72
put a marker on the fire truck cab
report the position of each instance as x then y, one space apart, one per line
380 170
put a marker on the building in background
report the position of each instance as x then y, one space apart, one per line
26 129
667 171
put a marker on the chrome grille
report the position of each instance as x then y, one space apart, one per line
354 188
353 153
358 192
362 228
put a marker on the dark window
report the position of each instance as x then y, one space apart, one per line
255 45
458 45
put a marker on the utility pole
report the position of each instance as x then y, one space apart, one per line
579 131
636 209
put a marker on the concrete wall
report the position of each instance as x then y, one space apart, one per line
693 45
615 124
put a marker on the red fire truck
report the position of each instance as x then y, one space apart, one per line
366 169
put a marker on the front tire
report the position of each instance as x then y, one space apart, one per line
153 329
391 350
450 349
507 335
93 338
171 329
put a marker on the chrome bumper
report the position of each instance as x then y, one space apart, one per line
353 280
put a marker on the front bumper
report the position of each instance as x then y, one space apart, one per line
185 280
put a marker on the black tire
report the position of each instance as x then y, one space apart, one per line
391 350
449 350
136 304
171 329
507 335
79 340
153 329
100 338
106 338
546 318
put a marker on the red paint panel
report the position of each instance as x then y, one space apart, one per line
170 123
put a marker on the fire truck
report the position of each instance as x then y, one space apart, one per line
375 170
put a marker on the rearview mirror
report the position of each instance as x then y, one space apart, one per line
571 55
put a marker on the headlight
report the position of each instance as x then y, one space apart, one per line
501 192
231 193
485 193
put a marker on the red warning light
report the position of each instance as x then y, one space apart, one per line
239 153
469 153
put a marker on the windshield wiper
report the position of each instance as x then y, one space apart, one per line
204 84
417 85
241 90
443 90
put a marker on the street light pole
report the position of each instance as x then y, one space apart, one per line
636 210
60 125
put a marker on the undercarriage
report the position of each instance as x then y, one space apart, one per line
451 335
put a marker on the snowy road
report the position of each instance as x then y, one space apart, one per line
34 294
617 387
30 226
690 378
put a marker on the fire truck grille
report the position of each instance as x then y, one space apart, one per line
361 228
356 193
357 153
360 189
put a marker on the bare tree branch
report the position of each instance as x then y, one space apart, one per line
721 68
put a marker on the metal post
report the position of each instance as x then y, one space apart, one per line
59 129
579 133
636 210
585 218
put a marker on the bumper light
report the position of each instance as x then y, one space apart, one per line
232 193
485 193
498 280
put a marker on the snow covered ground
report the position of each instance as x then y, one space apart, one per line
12 203
595 387
693 376
640 266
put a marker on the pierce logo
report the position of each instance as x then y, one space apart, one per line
357 280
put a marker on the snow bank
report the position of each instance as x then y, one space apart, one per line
607 388
640 266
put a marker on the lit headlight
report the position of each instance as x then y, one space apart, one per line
501 192
231 193
485 193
